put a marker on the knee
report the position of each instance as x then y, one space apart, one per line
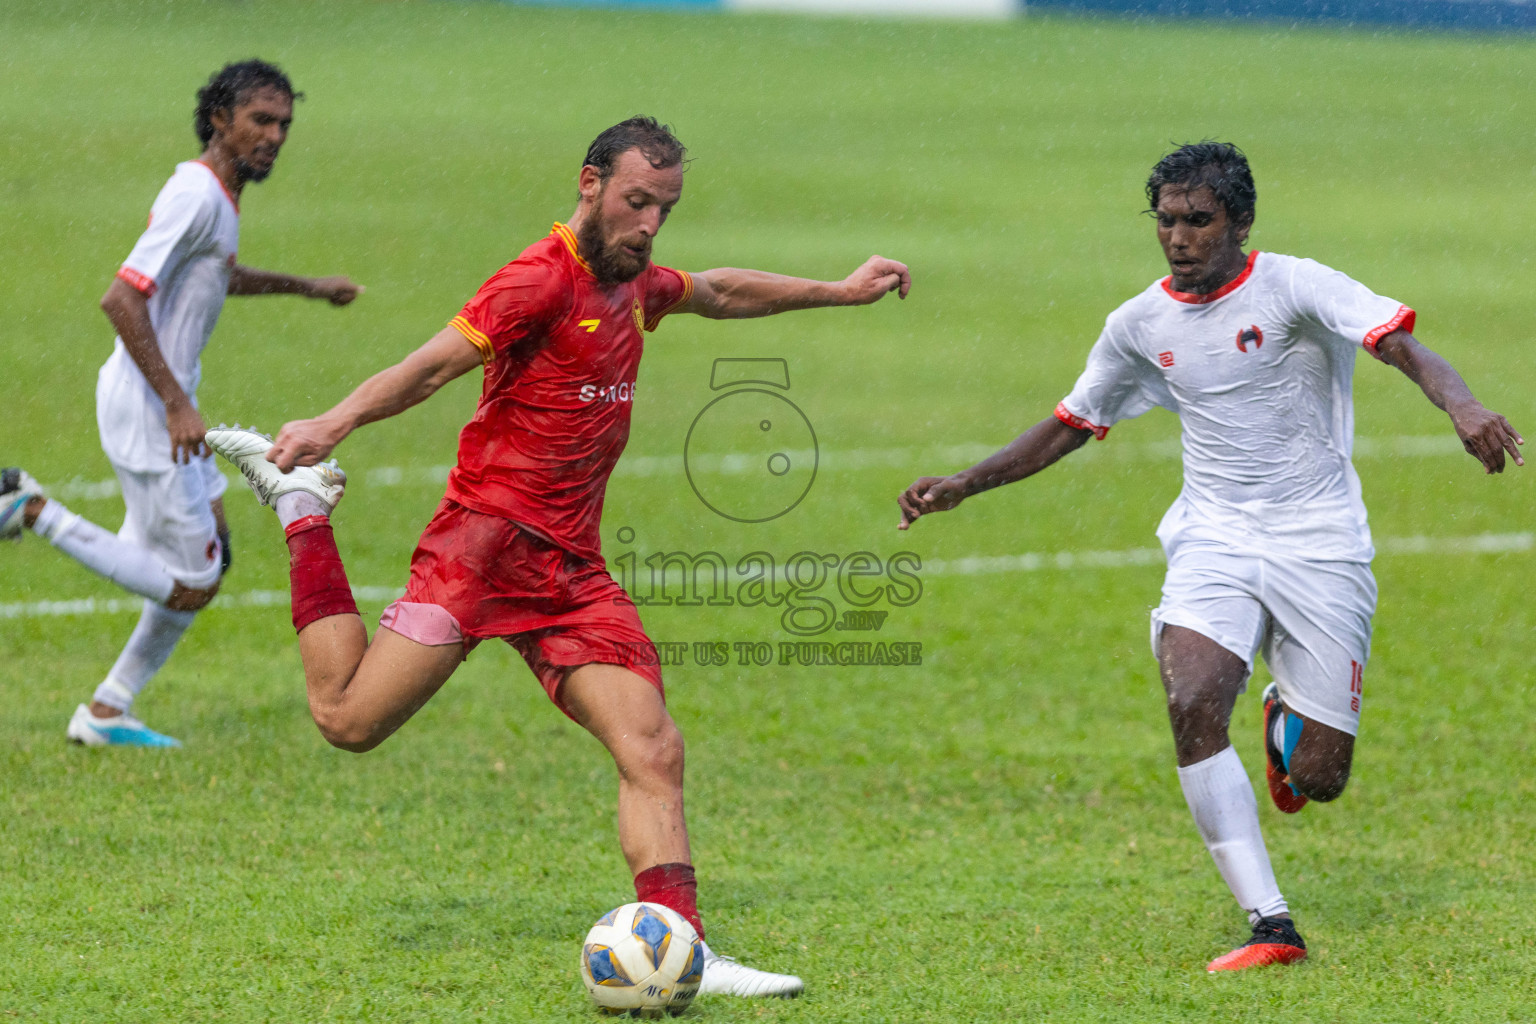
1322 784
346 732
185 599
655 755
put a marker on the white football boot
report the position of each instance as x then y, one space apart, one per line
16 489
121 730
723 976
246 450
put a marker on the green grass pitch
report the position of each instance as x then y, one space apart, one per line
995 835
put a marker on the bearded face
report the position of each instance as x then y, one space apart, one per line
248 171
614 256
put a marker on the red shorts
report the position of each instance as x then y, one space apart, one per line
476 576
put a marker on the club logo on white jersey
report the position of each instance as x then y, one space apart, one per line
1249 335
624 392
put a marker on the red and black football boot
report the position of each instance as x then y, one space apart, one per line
1280 789
1275 941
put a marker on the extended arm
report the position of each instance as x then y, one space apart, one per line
338 291
729 294
387 393
128 309
1484 433
1029 453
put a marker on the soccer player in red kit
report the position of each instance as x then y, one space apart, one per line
513 550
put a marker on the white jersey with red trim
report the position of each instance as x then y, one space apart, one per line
182 264
1259 373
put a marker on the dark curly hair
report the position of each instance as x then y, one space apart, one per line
1218 166
231 84
654 139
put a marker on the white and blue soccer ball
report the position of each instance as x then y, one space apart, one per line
642 959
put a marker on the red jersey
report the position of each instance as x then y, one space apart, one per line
561 353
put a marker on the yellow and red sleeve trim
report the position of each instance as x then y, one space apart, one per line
1403 321
569 238
1071 419
475 337
141 282
655 318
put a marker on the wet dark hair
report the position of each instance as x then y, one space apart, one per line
231 84
654 140
1218 166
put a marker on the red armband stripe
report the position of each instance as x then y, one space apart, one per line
141 282
1403 321
1071 419
475 337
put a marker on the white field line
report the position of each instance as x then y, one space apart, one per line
974 565
103 606
917 458
981 565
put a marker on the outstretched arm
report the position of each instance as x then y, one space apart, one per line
338 291
729 294
387 393
1485 434
1029 453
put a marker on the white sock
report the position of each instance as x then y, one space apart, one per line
105 553
295 505
1227 815
152 642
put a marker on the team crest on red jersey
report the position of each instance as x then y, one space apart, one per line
639 312
1250 334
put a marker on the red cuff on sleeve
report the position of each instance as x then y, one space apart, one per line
1072 420
1403 321
141 282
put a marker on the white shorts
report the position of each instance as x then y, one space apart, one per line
1312 620
169 514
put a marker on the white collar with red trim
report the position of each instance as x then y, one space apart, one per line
1231 286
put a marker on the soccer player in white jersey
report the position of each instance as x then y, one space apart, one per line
173 546
1267 544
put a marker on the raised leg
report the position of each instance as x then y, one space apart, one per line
360 693
1320 762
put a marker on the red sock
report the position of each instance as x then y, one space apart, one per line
674 887
316 577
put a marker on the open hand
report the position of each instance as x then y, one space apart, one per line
875 278
1487 436
187 429
929 494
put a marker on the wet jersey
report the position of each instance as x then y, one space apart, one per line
1259 373
561 354
182 264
